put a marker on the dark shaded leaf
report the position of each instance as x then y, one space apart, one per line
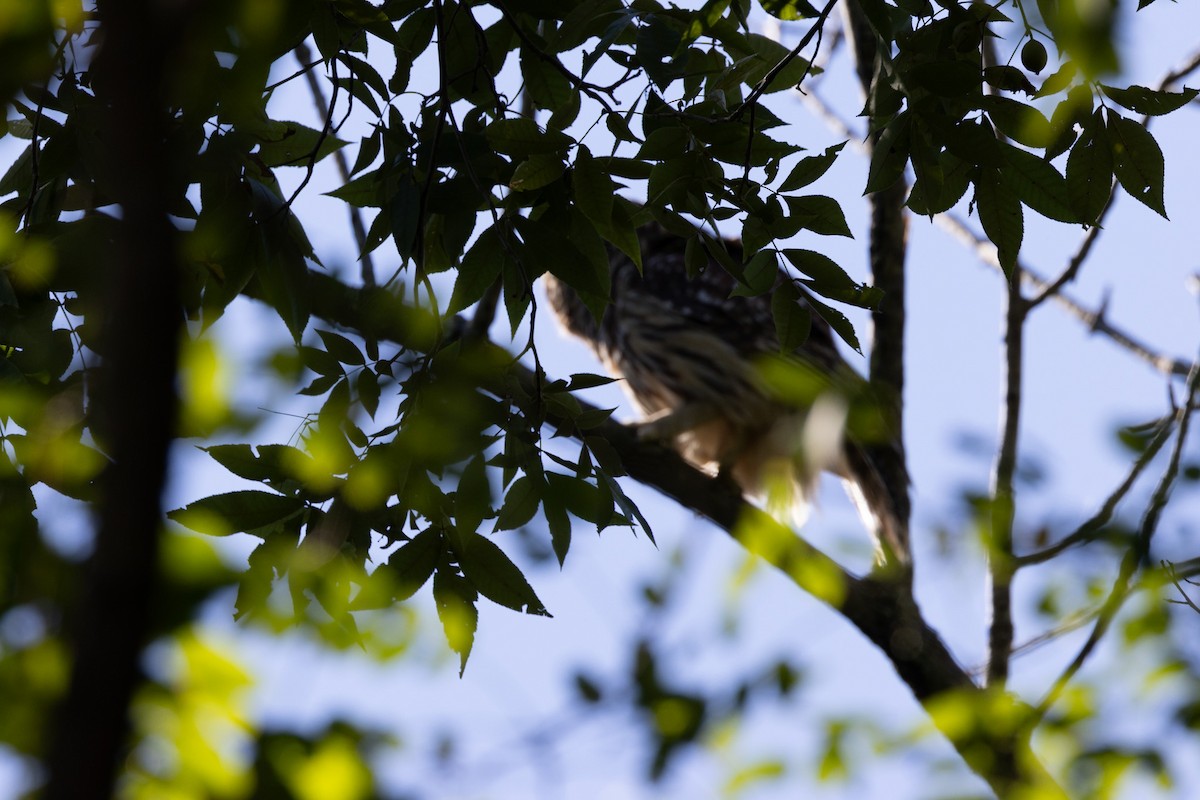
497 578
1037 184
407 569
236 512
520 504
1090 169
1137 162
809 169
455 599
1000 213
1150 101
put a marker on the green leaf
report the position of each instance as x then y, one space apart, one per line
368 391
789 10
540 169
559 523
1038 184
819 214
586 380
290 144
551 246
1060 80
480 268
19 175
407 569
1019 122
1150 101
1090 169
236 512
1137 162
592 188
521 137
579 497
547 86
455 600
793 319
282 271
890 155
1000 213
1008 79
955 178
770 53
836 320
238 459
497 578
627 506
826 275
473 497
811 168
341 348
520 504
361 192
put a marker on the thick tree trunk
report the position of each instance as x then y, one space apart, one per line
134 413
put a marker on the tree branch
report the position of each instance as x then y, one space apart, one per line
304 56
1093 319
752 98
883 610
1138 552
985 251
1087 531
1003 501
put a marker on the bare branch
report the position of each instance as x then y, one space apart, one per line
1086 532
1093 319
1176 580
883 610
1136 555
1003 501
752 98
304 56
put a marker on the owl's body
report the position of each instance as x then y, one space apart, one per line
690 355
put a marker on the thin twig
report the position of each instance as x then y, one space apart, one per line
1086 532
591 90
1000 551
985 251
303 54
1175 579
1081 254
1136 555
767 79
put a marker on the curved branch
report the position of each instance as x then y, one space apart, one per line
883 610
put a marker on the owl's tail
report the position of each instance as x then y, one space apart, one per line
881 505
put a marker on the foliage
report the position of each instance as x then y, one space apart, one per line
502 140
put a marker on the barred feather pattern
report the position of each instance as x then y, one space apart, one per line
685 345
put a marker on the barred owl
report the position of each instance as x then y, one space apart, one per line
690 353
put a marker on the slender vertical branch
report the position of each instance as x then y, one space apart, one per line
1003 505
135 409
887 251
